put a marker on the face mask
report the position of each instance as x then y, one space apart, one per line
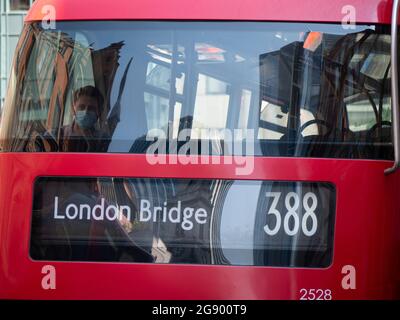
86 119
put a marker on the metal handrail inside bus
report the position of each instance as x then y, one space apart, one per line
395 90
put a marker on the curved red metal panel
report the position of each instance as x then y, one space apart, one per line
366 11
365 234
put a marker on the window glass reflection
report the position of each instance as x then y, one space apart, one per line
306 90
183 221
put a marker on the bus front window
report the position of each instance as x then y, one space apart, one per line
323 93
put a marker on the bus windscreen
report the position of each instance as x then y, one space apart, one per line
289 89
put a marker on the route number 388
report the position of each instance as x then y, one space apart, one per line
292 204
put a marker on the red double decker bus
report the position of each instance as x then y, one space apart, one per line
202 150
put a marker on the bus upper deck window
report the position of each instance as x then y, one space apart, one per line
322 94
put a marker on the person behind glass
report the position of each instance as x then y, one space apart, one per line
82 135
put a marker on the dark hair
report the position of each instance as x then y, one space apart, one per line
89 91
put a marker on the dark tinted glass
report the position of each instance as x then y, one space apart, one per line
221 222
309 90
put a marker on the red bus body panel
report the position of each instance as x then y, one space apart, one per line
366 236
367 11
367 205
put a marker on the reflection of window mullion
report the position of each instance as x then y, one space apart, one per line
293 108
272 126
158 53
159 62
162 93
382 93
190 85
235 93
172 81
